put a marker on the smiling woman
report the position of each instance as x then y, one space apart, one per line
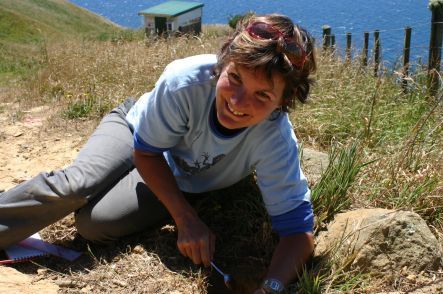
245 97
209 122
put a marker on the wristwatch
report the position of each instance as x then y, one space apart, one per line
273 286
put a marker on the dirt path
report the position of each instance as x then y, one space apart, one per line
29 143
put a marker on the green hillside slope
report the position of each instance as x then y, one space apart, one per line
27 25
31 20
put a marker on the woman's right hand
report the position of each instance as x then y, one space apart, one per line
196 240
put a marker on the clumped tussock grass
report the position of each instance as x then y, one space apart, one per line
329 196
385 148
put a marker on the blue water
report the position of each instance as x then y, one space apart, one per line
354 16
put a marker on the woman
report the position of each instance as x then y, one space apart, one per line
209 122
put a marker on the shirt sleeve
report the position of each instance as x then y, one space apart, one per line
298 220
279 176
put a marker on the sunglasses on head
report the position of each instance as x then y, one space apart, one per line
264 31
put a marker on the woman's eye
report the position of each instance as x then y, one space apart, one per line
263 96
234 78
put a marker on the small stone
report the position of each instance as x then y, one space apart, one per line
86 289
42 271
65 283
138 249
120 283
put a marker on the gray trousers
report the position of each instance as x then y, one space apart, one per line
102 186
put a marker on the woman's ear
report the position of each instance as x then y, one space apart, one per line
302 91
276 113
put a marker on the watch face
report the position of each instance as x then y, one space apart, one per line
274 285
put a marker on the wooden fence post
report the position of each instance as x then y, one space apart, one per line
333 44
348 47
377 52
326 37
365 50
406 52
436 7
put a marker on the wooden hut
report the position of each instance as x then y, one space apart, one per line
173 17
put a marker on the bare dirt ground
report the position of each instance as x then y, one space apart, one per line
31 143
28 145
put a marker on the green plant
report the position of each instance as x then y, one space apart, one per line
330 196
86 107
79 109
310 282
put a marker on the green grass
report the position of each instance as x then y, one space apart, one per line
26 26
330 194
17 28
82 109
58 17
309 282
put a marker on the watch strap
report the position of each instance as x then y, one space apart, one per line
273 286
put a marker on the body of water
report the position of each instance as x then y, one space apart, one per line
354 16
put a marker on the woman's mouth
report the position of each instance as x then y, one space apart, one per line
234 112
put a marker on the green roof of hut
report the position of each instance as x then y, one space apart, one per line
171 8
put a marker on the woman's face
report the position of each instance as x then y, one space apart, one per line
246 97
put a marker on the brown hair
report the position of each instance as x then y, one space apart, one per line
255 53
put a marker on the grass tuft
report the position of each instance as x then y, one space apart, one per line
330 196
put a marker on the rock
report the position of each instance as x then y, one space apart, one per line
313 164
435 287
18 134
138 249
13 281
381 241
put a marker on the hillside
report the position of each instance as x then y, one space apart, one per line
26 25
30 20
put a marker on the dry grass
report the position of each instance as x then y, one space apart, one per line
106 73
401 134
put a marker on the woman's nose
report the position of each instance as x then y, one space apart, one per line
240 98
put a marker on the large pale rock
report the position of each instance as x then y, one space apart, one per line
313 164
13 281
381 241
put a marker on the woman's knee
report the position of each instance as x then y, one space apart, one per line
90 229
